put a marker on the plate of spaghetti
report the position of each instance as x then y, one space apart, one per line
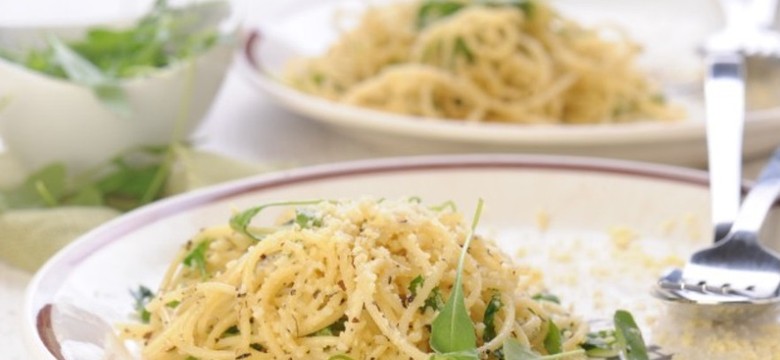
379 260
574 77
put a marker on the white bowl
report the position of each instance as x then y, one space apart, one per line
47 120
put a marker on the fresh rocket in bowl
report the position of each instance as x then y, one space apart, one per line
81 95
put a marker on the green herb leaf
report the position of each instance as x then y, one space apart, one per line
552 341
142 296
42 188
492 308
461 49
546 297
452 331
240 222
602 344
173 304
514 350
333 329
434 300
628 333
231 331
87 196
415 284
457 355
307 218
197 258
82 71
433 10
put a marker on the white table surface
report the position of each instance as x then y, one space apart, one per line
241 124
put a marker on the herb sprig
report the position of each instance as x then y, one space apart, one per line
126 182
452 331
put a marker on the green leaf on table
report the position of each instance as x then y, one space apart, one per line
87 196
627 333
452 331
43 188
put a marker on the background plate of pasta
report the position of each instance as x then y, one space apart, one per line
455 257
595 77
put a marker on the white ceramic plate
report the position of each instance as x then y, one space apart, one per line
666 30
611 228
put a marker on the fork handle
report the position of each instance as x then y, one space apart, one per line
760 198
724 92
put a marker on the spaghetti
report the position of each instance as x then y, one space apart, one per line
363 279
512 61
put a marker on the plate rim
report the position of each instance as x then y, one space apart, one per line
67 259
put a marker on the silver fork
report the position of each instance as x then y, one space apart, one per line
737 269
748 32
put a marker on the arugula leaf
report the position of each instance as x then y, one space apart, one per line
43 188
433 301
552 341
431 11
333 329
514 350
142 296
240 222
470 354
82 71
86 196
231 331
546 297
127 184
628 333
461 49
452 331
492 308
197 258
602 344
307 218
415 284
